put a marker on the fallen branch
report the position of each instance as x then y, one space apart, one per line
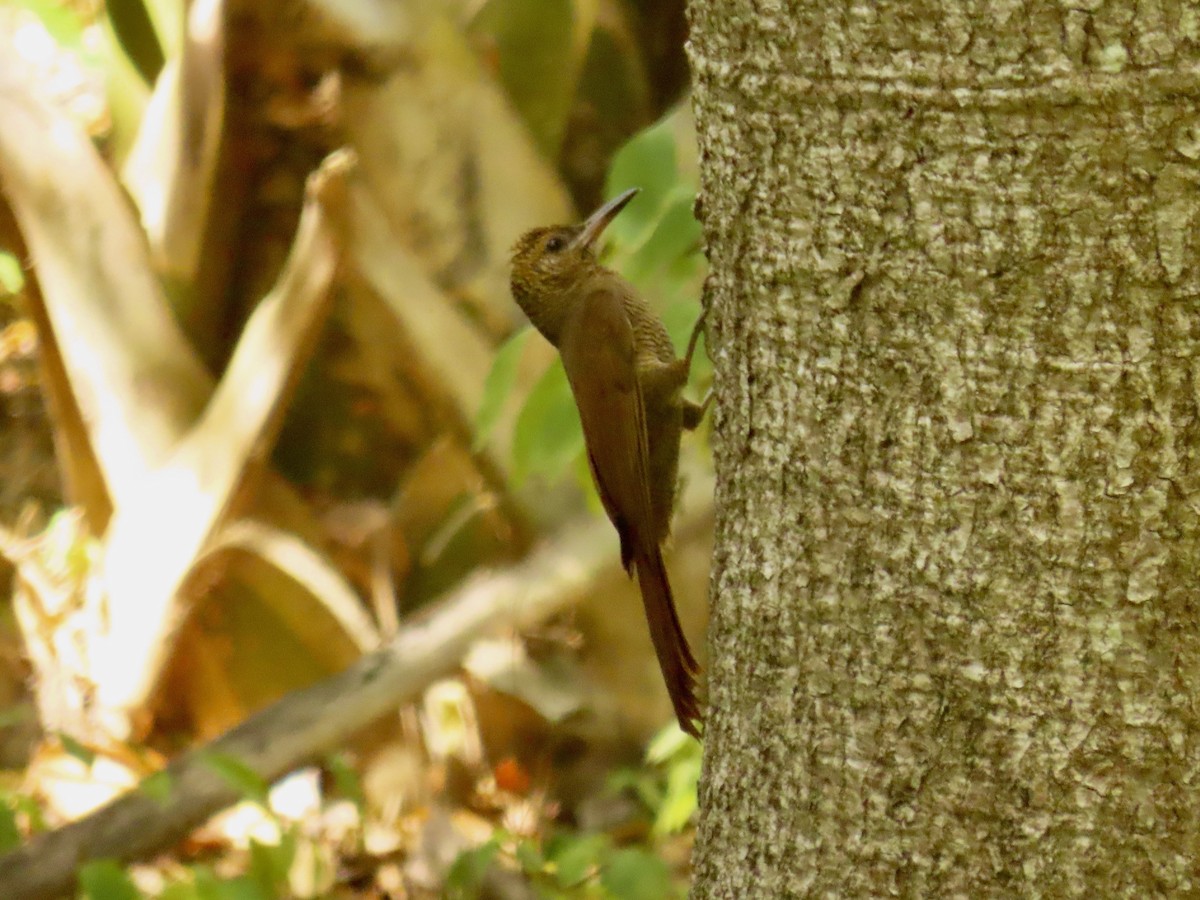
305 725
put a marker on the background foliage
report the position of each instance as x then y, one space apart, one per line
289 424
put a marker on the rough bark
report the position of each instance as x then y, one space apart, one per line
956 335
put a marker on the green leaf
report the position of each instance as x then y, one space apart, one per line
60 20
12 277
548 436
104 879
244 779
680 318
501 381
73 748
210 887
647 162
10 833
530 858
633 874
669 742
270 863
675 234
31 809
131 24
179 890
469 868
575 856
16 714
157 786
679 803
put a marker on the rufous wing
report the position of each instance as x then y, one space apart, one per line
599 354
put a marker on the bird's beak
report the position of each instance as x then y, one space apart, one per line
595 224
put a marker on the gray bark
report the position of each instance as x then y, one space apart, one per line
956 330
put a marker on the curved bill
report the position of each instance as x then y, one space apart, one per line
595 224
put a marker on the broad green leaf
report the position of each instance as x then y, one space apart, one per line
548 435
501 381
179 890
680 317
10 834
646 162
469 868
669 742
676 233
679 802
633 874
210 887
575 855
134 30
103 879
167 18
237 773
270 863
530 858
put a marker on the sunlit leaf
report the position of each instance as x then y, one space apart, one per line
103 879
60 20
633 874
499 385
669 742
12 278
548 435
679 803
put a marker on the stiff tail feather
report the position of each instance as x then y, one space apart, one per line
679 666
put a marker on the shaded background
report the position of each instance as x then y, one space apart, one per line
416 434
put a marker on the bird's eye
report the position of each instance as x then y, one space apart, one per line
555 244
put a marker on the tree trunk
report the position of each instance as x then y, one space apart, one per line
956 335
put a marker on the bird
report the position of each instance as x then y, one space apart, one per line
628 388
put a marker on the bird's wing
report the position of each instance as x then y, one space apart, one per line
599 355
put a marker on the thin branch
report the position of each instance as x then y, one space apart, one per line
305 725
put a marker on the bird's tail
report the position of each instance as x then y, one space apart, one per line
679 666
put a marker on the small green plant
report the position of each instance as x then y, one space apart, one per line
577 864
564 866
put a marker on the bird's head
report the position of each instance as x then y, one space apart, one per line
546 262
